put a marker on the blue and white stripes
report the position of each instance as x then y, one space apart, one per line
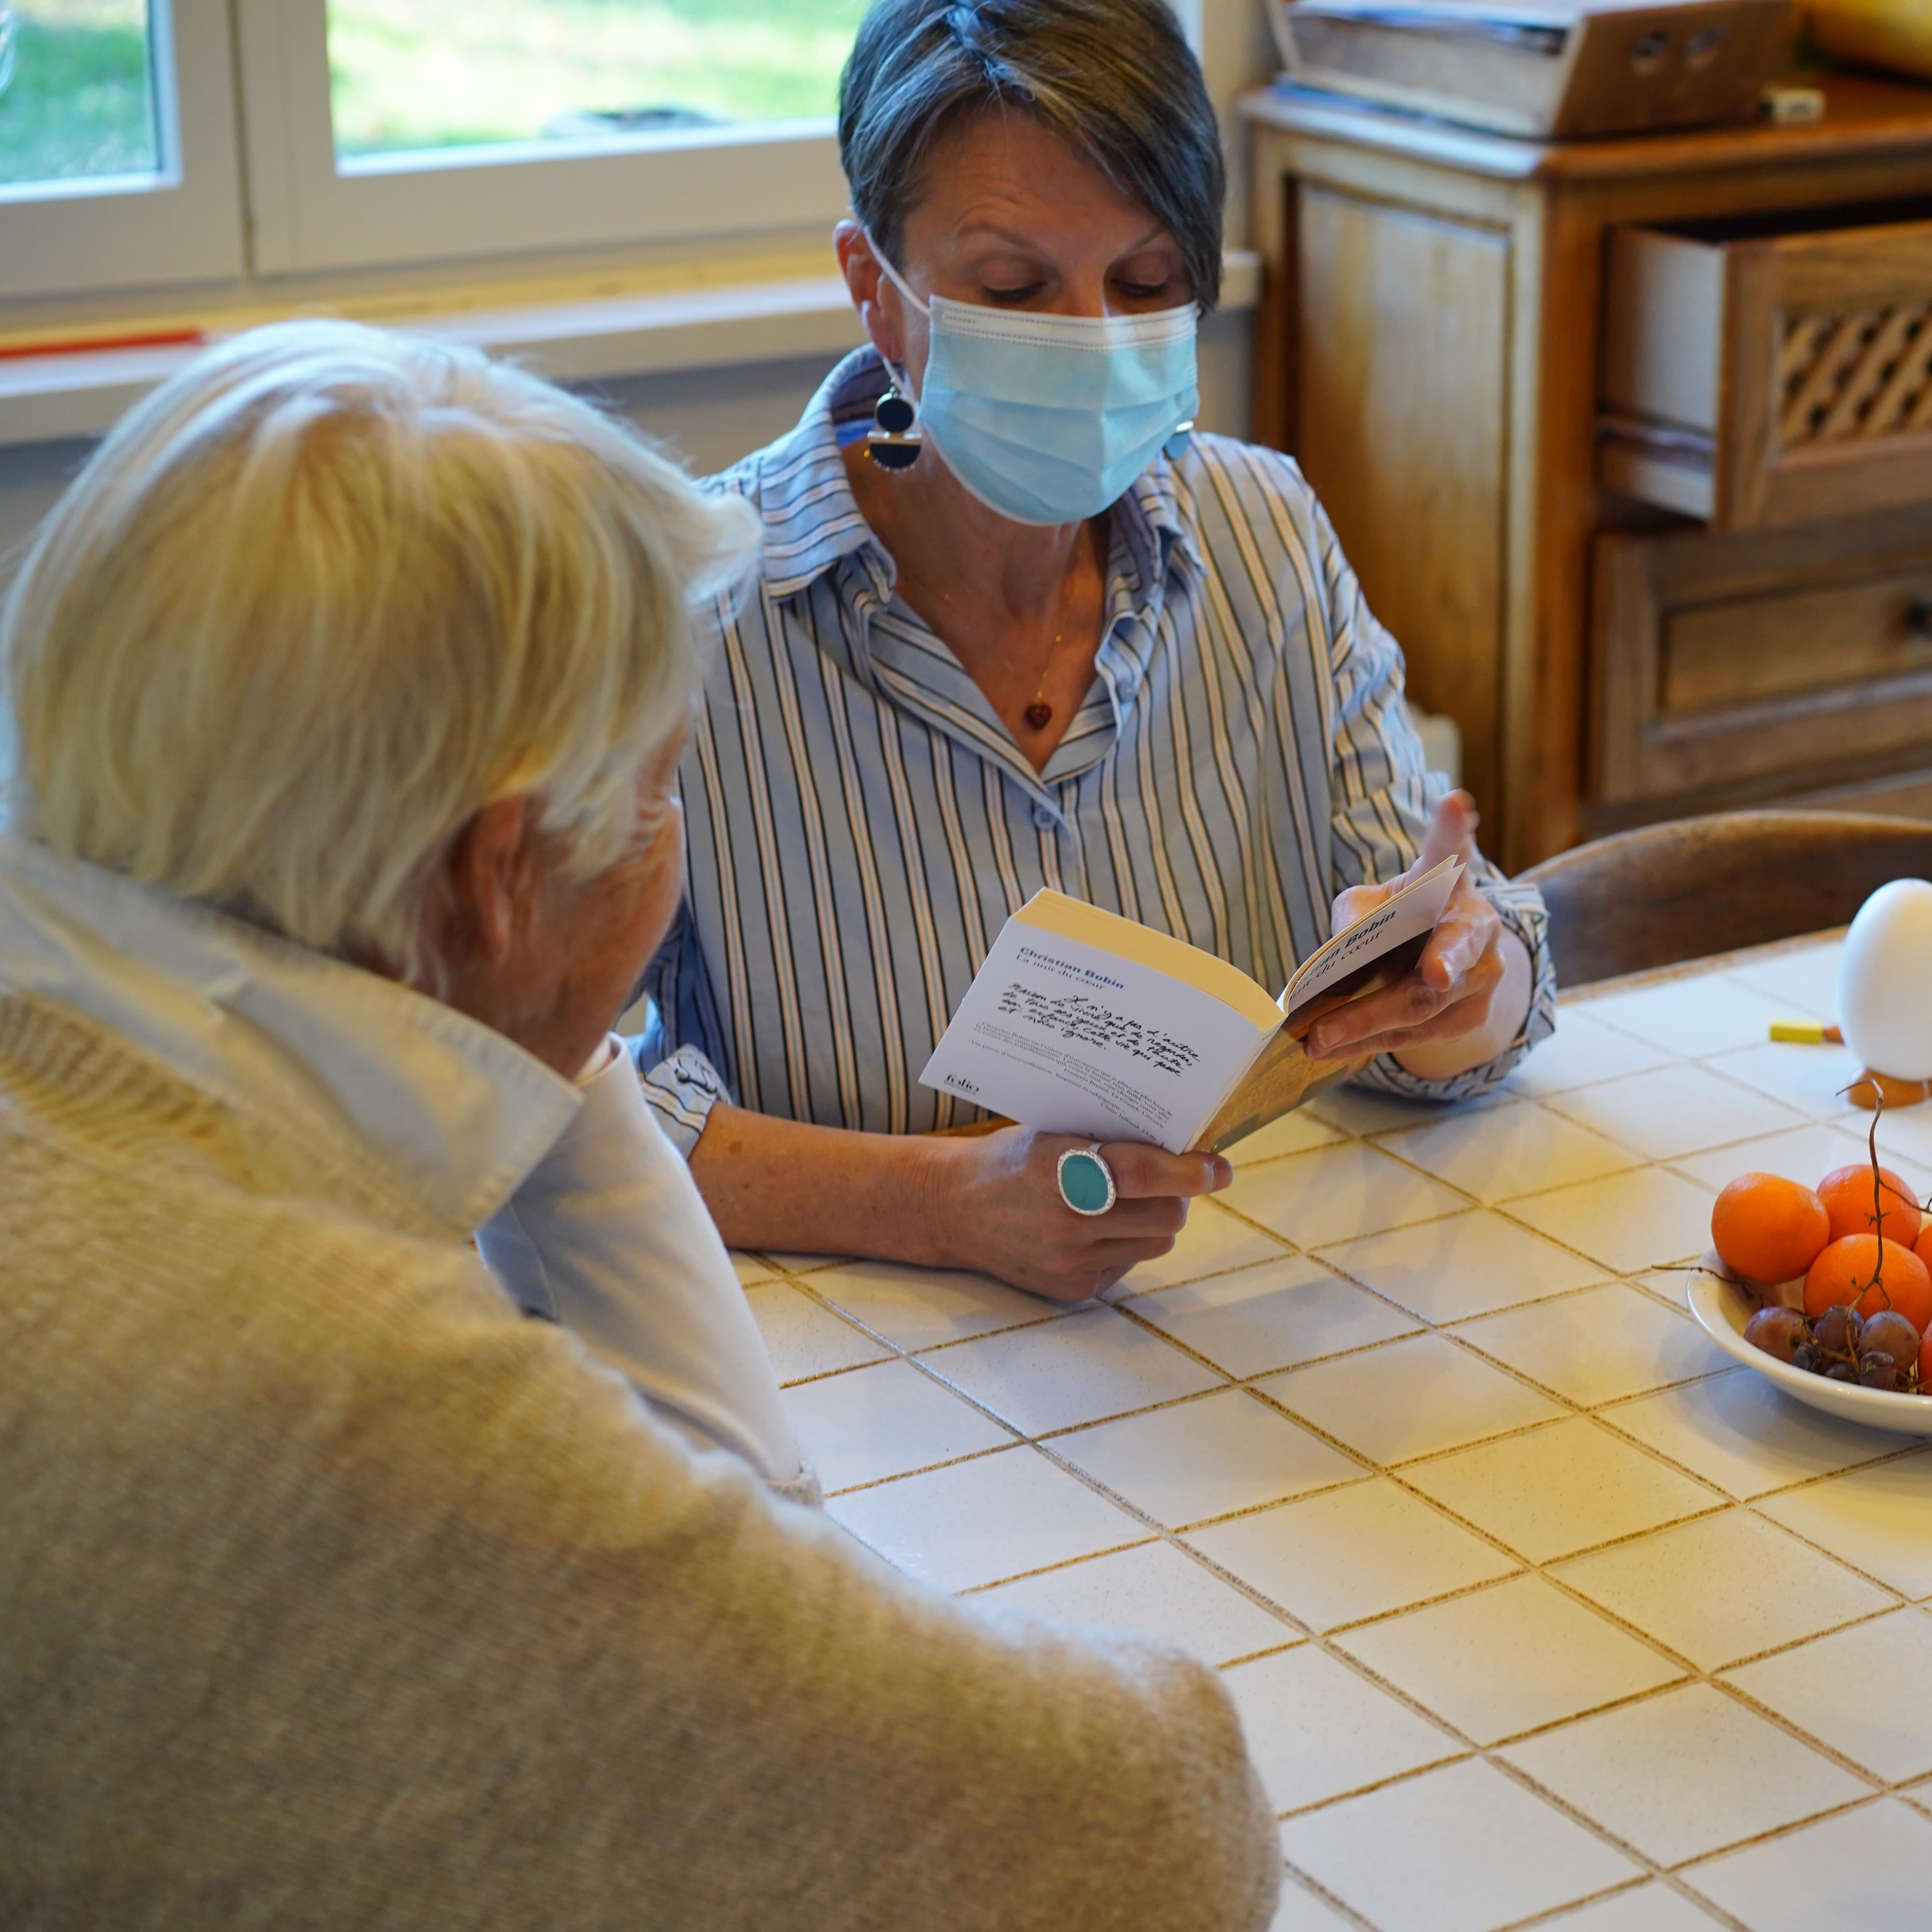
859 822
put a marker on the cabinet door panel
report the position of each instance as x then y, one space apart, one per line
1403 410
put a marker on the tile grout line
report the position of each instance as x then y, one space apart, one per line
1341 1908
1555 1913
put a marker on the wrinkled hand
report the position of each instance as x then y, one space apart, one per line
1002 1198
1449 994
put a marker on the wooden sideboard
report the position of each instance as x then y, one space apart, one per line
1629 440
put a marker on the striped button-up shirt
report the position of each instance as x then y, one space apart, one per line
859 822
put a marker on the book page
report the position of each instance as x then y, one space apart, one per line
1073 1038
1413 910
1281 1079
1284 1074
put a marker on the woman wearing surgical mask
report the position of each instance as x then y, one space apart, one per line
1019 626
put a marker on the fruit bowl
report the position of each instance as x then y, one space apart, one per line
1722 1308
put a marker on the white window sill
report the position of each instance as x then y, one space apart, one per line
48 396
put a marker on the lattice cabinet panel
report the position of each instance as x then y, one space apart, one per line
1865 374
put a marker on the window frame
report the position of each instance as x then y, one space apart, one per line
182 224
310 213
250 194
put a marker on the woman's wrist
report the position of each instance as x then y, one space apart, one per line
786 1184
938 1168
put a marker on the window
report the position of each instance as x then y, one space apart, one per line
412 74
117 145
78 84
400 130
375 135
386 131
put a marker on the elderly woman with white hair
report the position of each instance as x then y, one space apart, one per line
347 687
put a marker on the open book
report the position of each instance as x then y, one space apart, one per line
1082 1022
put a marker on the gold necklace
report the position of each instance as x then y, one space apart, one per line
1038 715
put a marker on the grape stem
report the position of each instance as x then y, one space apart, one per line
1878 1206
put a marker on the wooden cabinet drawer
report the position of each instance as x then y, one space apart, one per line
1906 794
1761 664
1771 370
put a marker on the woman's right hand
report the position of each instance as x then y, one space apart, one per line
996 1204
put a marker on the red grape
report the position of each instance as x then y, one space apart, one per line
1777 1331
1836 1330
1888 1334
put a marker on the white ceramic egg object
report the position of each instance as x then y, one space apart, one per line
1885 981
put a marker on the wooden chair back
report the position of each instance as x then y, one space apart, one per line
1676 891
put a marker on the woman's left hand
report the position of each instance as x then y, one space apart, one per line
1451 1013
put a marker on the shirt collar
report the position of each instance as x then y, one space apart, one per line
812 519
1156 517
400 1099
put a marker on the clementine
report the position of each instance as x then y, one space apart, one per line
1850 1196
1850 1270
1767 1228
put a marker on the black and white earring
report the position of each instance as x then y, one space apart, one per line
894 444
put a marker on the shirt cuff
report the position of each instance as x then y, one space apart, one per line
683 1089
1522 911
609 1237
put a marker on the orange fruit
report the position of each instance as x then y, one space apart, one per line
1767 1228
1845 1269
1922 1247
1848 1197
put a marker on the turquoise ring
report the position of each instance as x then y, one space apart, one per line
1086 1180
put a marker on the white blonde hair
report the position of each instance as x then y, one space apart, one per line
326 594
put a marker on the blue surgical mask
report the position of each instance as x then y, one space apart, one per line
1049 419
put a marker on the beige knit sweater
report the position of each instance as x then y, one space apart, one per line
332 1594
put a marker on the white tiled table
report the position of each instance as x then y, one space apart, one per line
1537 1609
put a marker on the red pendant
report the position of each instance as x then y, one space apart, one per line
1039 716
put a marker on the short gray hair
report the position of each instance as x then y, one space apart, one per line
1114 79
326 594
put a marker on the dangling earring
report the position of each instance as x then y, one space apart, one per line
894 444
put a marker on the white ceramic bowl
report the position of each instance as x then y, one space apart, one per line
1722 1309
